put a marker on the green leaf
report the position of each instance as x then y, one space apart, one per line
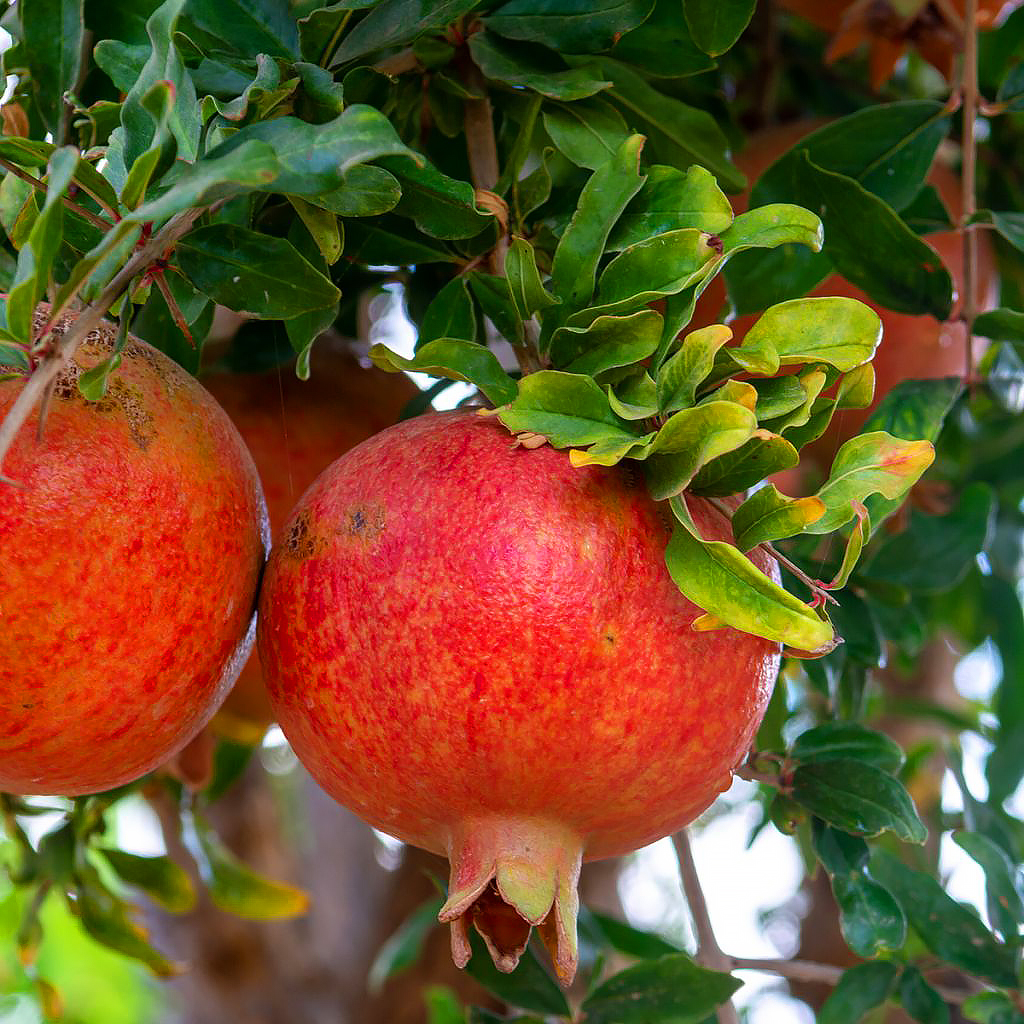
671 989
1009 225
159 877
681 375
927 213
839 331
323 227
440 206
494 296
390 241
449 315
456 360
873 249
874 463
768 227
716 24
568 26
567 408
602 200
624 938
263 91
859 991
396 22
253 273
768 515
249 26
36 257
845 741
857 797
528 291
679 134
238 889
723 582
588 133
366 191
921 1002
886 147
690 439
402 949
529 986
634 398
443 1006
992 1008
763 455
52 35
610 341
662 45
671 199
533 67
315 158
947 928
158 102
936 552
1000 325
1003 884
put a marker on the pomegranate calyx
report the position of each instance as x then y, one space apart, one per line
508 876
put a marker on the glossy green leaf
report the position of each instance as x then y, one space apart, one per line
264 91
1004 885
52 32
870 919
568 26
603 199
567 408
366 191
239 890
936 552
716 24
587 133
456 360
315 158
662 45
859 991
874 463
768 515
679 134
1001 325
812 381
603 930
443 1006
1009 225
992 1008
535 189
323 226
764 454
439 206
449 315
927 213
634 398
920 1001
396 22
860 533
690 439
253 273
402 949
159 877
494 296
947 928
158 102
610 341
391 242
839 331
671 989
528 291
249 26
681 375
671 199
533 67
723 582
768 227
846 741
529 986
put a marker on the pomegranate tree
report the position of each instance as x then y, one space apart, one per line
132 537
478 648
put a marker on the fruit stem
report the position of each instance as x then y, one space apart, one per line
969 89
709 953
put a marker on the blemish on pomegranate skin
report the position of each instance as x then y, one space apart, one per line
365 522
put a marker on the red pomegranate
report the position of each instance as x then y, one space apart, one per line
478 649
295 429
131 548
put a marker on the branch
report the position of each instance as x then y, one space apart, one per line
969 88
87 321
709 953
70 204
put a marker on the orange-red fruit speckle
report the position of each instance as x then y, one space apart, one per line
130 554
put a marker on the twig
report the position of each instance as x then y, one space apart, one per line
70 204
969 88
87 321
709 953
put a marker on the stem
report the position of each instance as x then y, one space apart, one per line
969 87
87 320
70 204
709 953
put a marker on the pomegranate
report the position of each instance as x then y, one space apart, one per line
295 429
478 649
131 546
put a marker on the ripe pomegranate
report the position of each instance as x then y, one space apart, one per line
295 429
131 548
914 347
478 649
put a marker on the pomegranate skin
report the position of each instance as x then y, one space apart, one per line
131 553
478 649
